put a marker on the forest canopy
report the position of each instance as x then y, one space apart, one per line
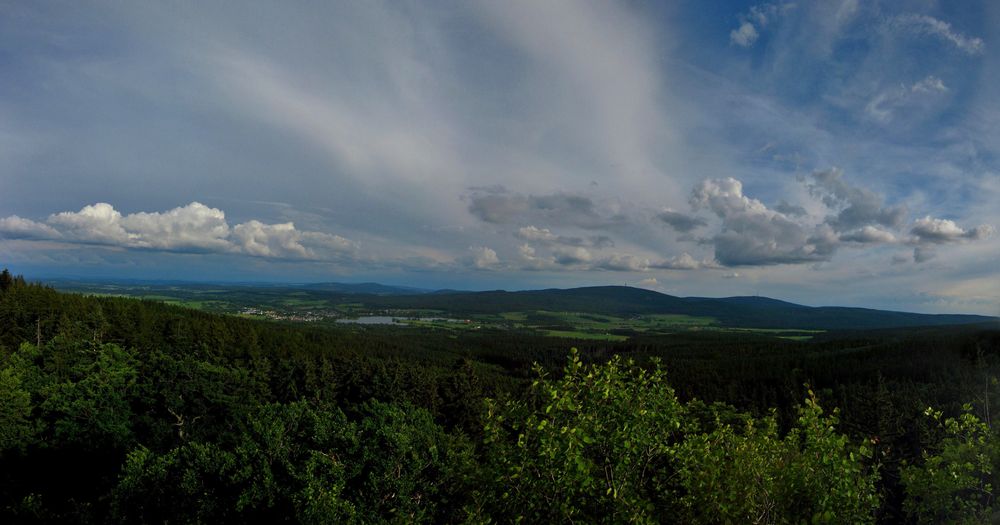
123 410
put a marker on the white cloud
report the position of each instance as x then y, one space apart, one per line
97 223
649 283
930 84
940 231
758 17
928 25
869 235
683 261
15 227
752 234
920 96
194 226
191 228
744 36
484 258
271 240
531 233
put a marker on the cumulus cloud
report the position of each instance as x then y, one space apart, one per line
98 223
928 25
191 228
484 258
15 227
680 222
869 235
940 231
532 260
858 207
752 234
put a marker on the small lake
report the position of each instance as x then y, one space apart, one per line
385 319
371 319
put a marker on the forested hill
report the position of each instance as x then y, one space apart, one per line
117 410
757 312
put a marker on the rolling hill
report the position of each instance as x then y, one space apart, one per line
758 312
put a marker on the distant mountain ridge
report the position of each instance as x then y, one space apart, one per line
757 312
739 311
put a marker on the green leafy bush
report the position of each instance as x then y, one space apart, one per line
956 481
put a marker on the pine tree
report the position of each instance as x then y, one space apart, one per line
6 281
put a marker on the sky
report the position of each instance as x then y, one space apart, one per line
827 153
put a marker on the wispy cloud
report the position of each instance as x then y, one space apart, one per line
928 25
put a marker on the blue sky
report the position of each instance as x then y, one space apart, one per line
821 152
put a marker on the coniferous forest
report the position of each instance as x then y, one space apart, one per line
131 411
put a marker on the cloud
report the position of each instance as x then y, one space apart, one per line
497 205
754 235
571 256
683 261
98 223
532 261
15 227
649 283
930 84
623 263
858 207
194 228
940 231
900 259
869 235
923 254
545 236
745 35
531 233
791 210
758 17
928 25
918 96
484 258
681 222
285 242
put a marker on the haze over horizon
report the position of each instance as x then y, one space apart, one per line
824 153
